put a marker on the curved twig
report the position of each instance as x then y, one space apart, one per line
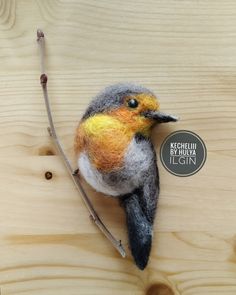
52 132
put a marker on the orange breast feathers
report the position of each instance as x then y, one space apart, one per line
105 139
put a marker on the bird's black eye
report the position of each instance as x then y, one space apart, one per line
132 103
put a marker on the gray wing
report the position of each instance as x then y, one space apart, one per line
138 172
149 191
140 205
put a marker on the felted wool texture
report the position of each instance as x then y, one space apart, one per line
138 167
107 132
139 171
112 97
117 158
105 141
139 229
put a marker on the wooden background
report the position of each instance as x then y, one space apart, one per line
186 52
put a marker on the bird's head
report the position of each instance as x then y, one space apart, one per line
131 104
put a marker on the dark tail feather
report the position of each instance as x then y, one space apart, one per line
139 230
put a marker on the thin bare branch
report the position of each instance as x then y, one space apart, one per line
52 132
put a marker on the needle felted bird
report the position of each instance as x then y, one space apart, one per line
117 158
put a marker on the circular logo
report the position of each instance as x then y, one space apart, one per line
183 153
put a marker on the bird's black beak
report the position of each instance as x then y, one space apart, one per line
160 117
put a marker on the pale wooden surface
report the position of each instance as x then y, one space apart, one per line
186 52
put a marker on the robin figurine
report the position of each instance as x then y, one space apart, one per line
117 158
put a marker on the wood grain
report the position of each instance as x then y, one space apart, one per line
184 51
